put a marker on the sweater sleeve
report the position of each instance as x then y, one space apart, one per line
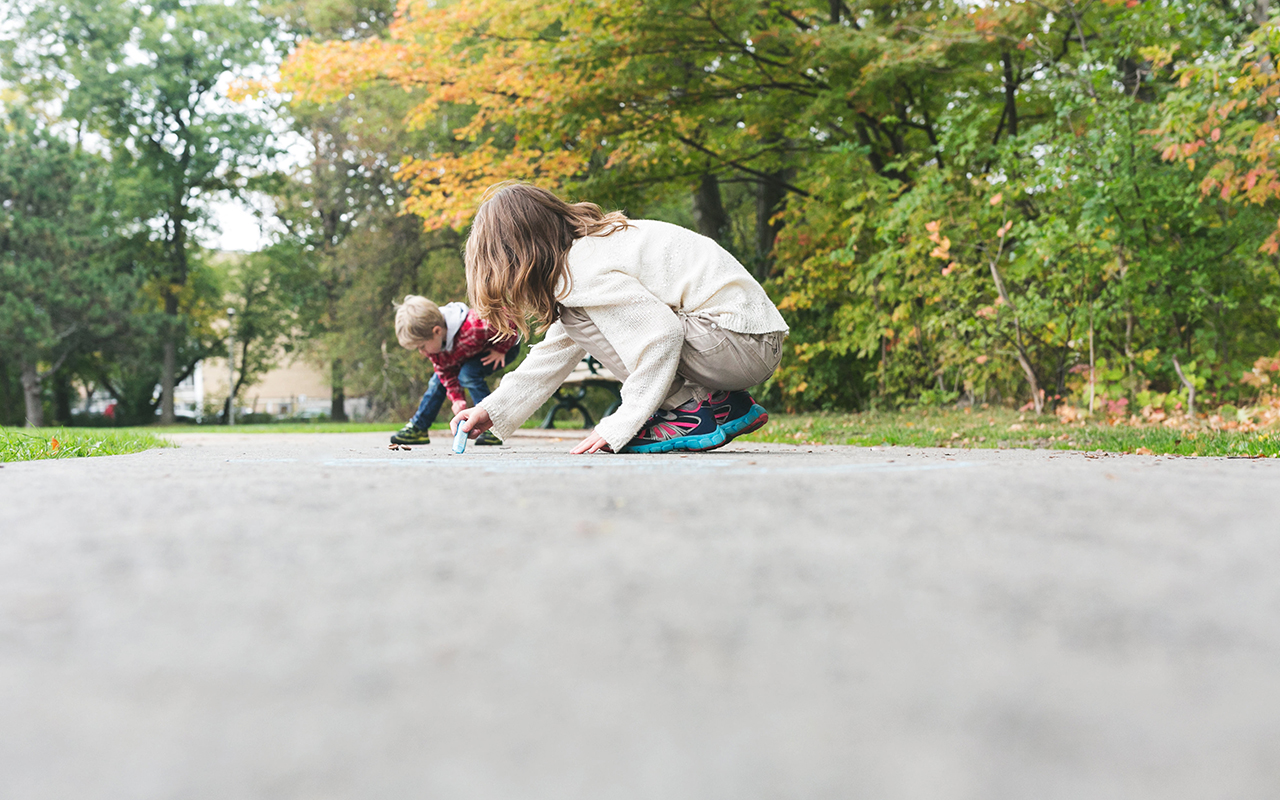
648 337
521 392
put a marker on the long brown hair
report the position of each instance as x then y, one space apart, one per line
517 255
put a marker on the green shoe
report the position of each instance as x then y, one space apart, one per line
488 438
410 435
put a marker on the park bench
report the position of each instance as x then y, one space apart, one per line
573 391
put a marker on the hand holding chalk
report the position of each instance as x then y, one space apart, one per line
476 420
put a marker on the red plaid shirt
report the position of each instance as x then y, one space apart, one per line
473 338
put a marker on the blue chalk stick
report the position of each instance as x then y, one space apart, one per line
460 441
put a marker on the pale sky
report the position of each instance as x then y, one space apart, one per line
240 228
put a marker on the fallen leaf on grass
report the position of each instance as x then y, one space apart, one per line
1142 451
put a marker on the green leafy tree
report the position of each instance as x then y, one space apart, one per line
124 354
342 210
1043 238
269 292
56 279
149 78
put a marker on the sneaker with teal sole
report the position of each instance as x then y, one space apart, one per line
737 413
488 438
410 435
667 431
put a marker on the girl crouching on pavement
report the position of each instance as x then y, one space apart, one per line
672 314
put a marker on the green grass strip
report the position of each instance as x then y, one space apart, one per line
271 427
33 444
1001 428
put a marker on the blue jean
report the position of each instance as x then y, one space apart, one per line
471 375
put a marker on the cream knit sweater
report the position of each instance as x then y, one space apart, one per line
633 284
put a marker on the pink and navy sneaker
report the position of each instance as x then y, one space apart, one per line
666 431
737 413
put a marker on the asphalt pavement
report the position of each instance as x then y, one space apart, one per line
314 616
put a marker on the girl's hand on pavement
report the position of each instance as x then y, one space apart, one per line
592 444
474 421
494 359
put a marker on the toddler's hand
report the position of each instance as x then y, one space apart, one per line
458 406
474 421
493 359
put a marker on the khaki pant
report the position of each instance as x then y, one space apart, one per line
712 359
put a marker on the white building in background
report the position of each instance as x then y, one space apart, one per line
293 389
188 396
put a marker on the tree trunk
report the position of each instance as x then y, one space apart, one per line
338 403
8 397
1024 359
169 367
708 210
1009 116
61 398
1261 12
1037 394
1010 93
769 195
31 394
1092 370
1191 389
